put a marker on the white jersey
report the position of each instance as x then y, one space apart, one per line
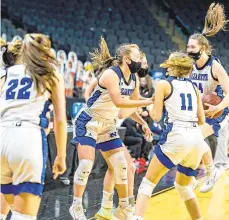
203 78
181 104
19 100
100 104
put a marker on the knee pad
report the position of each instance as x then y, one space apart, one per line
185 192
146 187
119 164
83 171
19 216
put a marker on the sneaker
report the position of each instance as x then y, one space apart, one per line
123 213
104 213
77 212
65 181
194 183
210 180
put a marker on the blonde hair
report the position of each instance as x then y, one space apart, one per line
102 59
39 61
12 52
2 42
180 63
215 21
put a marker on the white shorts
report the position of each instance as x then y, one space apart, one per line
24 153
182 146
100 134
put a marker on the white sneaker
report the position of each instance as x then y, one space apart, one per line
104 213
123 213
77 212
210 180
194 183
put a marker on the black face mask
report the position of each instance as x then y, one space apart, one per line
142 72
134 66
195 56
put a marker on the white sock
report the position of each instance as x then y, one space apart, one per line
77 201
123 202
3 217
107 201
132 200
210 167
137 218
19 216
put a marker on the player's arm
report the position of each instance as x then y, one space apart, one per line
110 81
223 78
60 123
200 109
90 89
162 90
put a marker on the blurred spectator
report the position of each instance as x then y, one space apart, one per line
79 79
146 87
133 138
62 58
69 80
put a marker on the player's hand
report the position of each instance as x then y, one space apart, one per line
212 110
59 166
148 135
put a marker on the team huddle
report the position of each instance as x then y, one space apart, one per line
31 87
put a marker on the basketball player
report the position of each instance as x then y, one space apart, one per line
30 87
182 142
95 125
107 201
209 76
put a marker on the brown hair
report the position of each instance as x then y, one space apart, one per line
39 61
12 52
101 58
180 62
215 21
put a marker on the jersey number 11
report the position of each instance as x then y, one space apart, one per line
184 102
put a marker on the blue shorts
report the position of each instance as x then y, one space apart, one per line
220 122
102 135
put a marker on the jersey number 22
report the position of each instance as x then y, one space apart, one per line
23 93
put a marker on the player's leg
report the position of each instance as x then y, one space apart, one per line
6 201
154 173
107 201
221 158
213 173
187 195
85 140
28 170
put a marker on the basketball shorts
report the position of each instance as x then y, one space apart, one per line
98 133
220 122
24 153
183 146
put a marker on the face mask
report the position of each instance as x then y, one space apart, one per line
134 66
142 72
195 56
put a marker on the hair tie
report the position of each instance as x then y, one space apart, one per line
204 34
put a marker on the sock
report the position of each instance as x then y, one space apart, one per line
137 218
77 201
19 216
3 217
210 167
123 202
131 200
107 201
